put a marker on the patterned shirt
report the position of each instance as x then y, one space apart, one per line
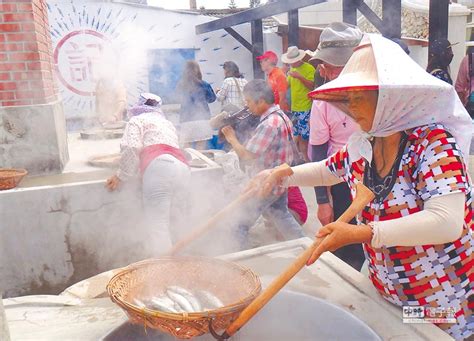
423 275
231 91
142 131
272 140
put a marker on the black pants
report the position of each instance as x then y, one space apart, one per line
351 254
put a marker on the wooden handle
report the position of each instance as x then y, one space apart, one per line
363 197
212 222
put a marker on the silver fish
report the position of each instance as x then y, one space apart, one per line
178 308
181 300
208 300
188 295
138 303
163 303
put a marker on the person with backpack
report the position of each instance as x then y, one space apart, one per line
464 84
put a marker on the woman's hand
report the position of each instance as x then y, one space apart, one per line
112 183
274 179
336 235
256 182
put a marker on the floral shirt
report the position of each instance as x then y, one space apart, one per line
425 275
142 131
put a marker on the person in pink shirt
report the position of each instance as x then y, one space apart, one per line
464 84
330 129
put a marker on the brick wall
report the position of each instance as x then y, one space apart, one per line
26 63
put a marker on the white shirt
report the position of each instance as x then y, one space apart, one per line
142 131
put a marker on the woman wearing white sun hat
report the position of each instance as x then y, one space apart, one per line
410 151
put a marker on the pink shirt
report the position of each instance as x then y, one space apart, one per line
462 82
329 124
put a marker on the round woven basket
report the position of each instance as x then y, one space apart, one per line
10 178
236 286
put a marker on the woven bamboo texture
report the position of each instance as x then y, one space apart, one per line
10 178
236 286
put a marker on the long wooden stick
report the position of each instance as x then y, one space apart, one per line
363 197
211 223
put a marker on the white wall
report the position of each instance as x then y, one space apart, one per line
130 30
56 235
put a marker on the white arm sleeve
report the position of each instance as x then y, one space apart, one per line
441 221
312 174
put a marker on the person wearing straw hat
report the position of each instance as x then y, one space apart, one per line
330 129
301 81
150 148
411 151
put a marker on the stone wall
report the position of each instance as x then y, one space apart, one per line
56 235
33 137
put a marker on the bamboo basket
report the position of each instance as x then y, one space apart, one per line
236 286
10 178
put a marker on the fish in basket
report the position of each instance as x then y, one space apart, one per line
182 296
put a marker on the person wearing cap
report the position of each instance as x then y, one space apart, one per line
269 145
150 149
301 81
441 55
411 152
276 78
330 129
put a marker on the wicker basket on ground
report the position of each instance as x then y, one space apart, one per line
236 286
10 178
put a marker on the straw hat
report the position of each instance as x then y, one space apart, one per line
293 55
336 43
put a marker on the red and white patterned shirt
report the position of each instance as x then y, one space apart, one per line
142 131
272 141
423 275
